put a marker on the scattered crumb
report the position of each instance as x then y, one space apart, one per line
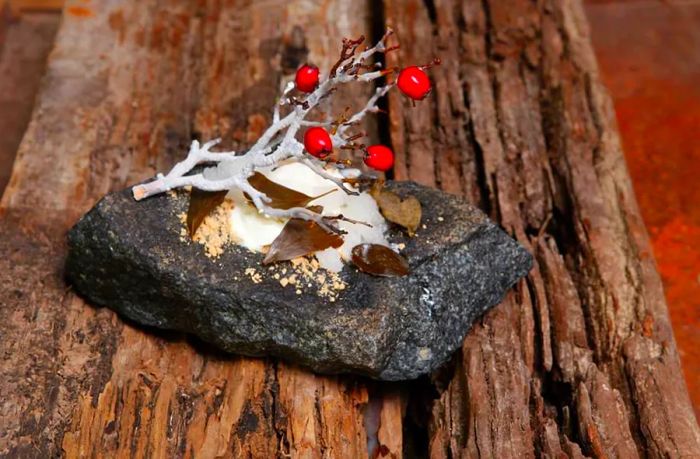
307 272
440 219
423 226
254 275
214 232
424 353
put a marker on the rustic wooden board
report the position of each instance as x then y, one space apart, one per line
648 60
578 360
583 351
24 47
18 7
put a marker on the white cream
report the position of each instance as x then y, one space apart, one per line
254 230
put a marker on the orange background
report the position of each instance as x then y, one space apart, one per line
649 55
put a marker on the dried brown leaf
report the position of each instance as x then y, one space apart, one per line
281 196
298 238
405 212
379 260
202 203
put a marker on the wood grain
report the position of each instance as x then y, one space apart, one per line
578 360
24 48
648 59
23 6
582 352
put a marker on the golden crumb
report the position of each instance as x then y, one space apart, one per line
254 275
214 232
307 272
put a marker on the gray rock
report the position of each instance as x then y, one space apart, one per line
130 257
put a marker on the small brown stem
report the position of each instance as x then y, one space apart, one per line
356 136
349 48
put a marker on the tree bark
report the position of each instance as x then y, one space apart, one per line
579 360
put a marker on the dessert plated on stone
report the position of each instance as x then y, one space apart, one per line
289 250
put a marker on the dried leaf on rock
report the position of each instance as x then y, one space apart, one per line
405 212
202 203
281 196
379 260
298 238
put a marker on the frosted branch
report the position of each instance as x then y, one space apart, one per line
279 141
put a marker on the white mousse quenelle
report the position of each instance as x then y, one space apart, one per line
255 230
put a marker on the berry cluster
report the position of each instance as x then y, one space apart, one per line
412 81
230 170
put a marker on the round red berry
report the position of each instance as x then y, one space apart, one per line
306 79
379 157
414 82
317 142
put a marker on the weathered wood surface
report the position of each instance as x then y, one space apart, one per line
24 46
578 361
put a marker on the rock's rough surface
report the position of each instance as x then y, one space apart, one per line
130 256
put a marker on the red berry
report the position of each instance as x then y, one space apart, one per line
317 142
307 78
414 82
379 157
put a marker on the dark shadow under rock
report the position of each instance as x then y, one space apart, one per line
130 256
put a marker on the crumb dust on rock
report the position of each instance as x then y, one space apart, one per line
302 274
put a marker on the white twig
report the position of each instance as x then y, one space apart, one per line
314 166
278 143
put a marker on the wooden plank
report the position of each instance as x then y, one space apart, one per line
580 355
24 6
114 109
24 48
579 359
648 60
